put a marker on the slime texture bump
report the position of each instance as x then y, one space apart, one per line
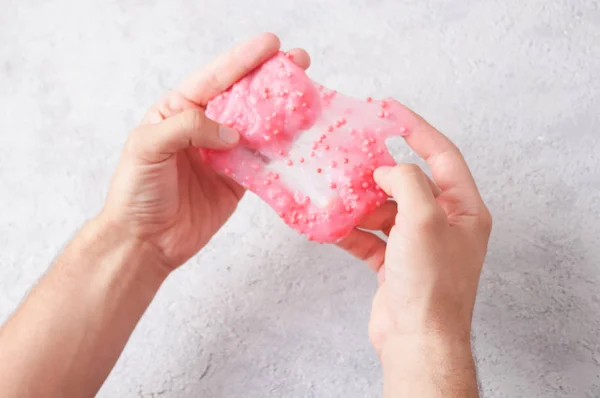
308 151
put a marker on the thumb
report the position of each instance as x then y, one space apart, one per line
190 129
419 223
413 191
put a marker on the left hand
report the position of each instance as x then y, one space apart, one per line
436 249
367 246
162 192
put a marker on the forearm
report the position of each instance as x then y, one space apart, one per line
66 336
429 366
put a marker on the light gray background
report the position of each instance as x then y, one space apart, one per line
514 83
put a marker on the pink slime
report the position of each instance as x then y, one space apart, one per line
308 151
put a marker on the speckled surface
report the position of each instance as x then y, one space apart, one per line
261 312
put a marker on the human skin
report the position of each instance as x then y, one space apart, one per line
163 206
421 315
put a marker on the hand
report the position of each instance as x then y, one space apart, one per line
162 192
436 248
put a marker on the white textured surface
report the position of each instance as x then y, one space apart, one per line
514 83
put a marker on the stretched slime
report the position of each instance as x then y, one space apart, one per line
308 151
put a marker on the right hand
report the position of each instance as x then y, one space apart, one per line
436 248
163 193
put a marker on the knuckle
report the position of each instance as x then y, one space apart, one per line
192 120
214 83
428 219
134 140
402 173
485 220
408 169
377 335
171 104
153 116
395 230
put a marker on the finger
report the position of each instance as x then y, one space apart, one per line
408 185
434 188
300 57
381 219
448 167
175 101
203 168
381 275
158 142
228 68
365 246
384 217
169 105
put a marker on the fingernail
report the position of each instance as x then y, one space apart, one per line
228 135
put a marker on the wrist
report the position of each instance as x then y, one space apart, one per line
106 253
443 362
140 250
437 345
